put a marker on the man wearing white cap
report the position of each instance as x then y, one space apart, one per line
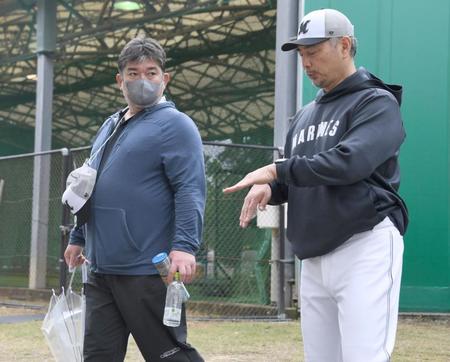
340 178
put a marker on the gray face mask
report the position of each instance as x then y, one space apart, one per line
143 93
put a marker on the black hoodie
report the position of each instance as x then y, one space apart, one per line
342 173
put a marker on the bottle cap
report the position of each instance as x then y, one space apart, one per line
159 258
177 276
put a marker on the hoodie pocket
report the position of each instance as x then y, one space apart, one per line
114 243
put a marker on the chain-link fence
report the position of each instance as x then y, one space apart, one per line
235 274
16 200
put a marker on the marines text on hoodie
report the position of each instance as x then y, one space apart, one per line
342 173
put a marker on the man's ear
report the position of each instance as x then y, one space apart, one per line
166 78
346 44
119 80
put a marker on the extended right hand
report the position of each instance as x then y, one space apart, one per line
73 255
257 197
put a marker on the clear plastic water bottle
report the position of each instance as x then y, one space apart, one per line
162 264
174 301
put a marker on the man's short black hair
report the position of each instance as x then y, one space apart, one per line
140 49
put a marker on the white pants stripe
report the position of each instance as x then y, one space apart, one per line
350 297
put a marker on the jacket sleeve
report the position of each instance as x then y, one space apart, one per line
76 236
374 135
182 157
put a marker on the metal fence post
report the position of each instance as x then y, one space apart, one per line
46 44
285 106
65 218
2 184
280 267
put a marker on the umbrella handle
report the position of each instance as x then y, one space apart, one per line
83 274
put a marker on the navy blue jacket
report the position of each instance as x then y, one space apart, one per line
150 192
342 174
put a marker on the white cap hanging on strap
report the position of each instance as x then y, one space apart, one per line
79 187
318 26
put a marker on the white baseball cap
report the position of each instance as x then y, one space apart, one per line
318 26
79 186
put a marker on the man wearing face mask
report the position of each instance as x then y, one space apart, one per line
149 197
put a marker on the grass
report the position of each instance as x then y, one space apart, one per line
21 280
417 340
247 341
423 341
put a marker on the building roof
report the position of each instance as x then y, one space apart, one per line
220 54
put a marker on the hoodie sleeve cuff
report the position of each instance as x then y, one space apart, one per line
76 236
282 169
188 246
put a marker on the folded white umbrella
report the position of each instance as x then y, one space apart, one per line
63 325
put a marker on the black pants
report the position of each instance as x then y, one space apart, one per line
117 305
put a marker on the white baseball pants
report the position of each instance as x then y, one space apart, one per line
349 298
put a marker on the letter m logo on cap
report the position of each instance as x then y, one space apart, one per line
303 28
